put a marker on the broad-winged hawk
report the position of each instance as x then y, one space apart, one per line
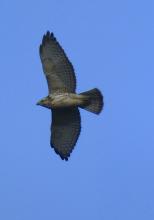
62 99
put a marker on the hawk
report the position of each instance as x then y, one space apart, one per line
62 98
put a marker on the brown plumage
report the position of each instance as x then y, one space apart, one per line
62 98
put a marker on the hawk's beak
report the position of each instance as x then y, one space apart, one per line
38 103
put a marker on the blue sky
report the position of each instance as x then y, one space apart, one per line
110 173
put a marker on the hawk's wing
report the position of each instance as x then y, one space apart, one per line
65 130
56 66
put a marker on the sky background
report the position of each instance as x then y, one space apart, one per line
110 174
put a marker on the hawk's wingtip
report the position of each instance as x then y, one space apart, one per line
49 36
64 157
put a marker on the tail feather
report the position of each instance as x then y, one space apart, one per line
95 101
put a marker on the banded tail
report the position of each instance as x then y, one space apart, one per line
95 101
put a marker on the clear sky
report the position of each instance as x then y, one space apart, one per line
110 174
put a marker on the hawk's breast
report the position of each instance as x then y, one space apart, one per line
66 100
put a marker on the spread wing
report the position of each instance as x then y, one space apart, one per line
56 66
65 130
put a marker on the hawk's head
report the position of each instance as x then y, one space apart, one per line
45 102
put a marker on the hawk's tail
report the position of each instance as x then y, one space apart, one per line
95 101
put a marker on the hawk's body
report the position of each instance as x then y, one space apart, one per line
62 98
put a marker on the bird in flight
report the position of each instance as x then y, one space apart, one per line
62 98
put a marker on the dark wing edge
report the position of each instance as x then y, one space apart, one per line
65 130
56 61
